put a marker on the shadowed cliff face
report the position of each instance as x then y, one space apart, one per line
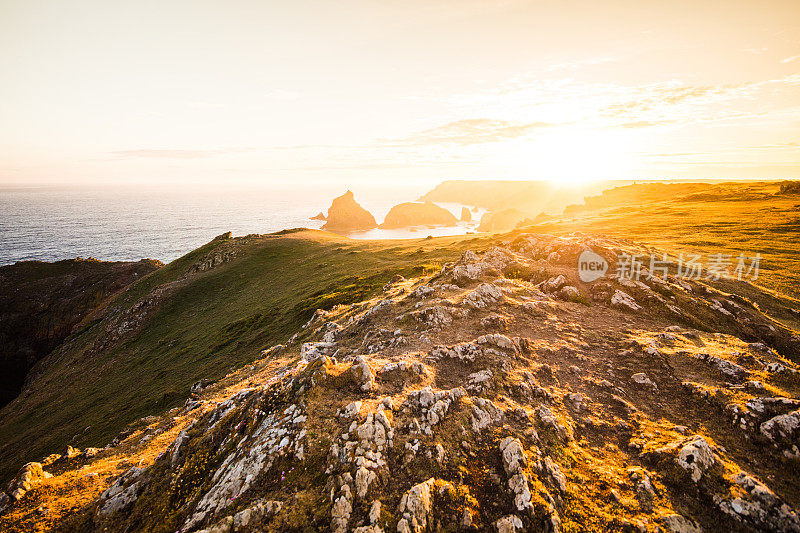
42 303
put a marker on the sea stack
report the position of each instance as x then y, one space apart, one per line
346 215
466 216
418 214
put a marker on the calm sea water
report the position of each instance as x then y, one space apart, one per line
50 225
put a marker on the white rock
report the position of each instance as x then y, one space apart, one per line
483 296
415 508
508 524
624 300
641 378
696 457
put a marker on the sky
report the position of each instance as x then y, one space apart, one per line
282 94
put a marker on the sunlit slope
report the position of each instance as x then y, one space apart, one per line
211 310
727 218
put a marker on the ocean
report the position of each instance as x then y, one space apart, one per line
128 225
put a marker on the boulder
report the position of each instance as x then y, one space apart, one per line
416 508
695 456
418 214
30 475
346 215
623 300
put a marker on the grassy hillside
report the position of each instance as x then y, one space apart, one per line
187 322
728 218
217 307
41 303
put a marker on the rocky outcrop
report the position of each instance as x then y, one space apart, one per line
30 475
475 398
418 214
466 215
345 215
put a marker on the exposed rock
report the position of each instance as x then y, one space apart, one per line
640 378
479 381
415 508
509 524
352 409
759 507
676 523
496 322
496 339
484 414
695 456
405 368
569 293
784 432
436 316
466 216
528 423
623 300
728 368
122 493
472 267
310 351
485 295
432 406
31 474
362 374
555 283
549 420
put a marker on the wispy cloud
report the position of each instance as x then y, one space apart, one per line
175 154
790 59
477 130
646 123
677 102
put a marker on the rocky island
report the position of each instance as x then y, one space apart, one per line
418 214
346 215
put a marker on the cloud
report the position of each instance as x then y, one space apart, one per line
645 123
477 130
676 102
174 154
165 154
790 59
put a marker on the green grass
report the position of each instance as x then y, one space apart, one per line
206 325
211 322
